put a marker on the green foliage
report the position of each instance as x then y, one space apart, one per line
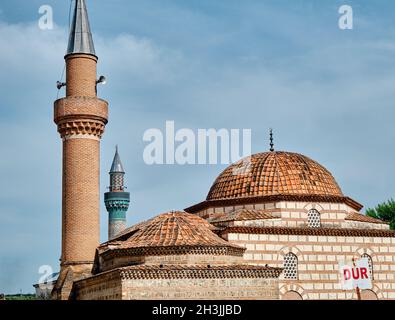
384 211
20 297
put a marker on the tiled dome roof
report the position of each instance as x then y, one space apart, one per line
274 173
175 229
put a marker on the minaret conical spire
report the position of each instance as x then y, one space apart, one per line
116 163
80 40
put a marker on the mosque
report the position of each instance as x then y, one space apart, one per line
274 229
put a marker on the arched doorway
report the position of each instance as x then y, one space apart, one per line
292 295
368 295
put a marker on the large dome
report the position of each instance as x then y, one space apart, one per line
274 173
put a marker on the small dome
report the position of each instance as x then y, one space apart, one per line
274 173
175 236
175 229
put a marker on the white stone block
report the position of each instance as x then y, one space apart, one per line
267 257
292 224
336 249
248 256
318 286
314 296
341 296
271 247
258 256
333 276
270 205
328 286
383 249
307 248
324 296
315 276
308 286
346 249
329 267
260 247
283 238
243 237
263 237
233 236
254 237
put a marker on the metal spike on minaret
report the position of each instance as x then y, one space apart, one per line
271 141
116 163
80 40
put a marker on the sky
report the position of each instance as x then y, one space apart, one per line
254 64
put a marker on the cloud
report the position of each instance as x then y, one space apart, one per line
327 94
31 62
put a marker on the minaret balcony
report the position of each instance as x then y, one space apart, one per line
117 199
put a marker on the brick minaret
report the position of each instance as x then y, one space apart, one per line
81 118
116 200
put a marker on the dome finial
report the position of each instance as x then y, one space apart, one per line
271 141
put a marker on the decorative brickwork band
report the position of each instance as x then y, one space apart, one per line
81 128
175 250
337 232
81 116
198 272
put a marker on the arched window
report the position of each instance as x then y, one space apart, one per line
368 295
370 262
313 219
292 295
290 266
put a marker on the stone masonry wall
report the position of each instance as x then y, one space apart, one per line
294 214
200 289
103 287
318 258
109 286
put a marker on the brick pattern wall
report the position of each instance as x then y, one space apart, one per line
81 75
81 199
318 258
104 287
295 214
200 289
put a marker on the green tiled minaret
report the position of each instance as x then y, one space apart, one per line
116 200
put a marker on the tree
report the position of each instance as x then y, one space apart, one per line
384 211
